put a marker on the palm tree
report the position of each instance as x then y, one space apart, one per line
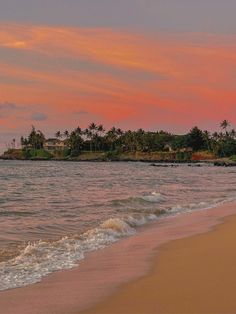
66 133
119 132
225 124
36 139
75 142
99 137
129 140
88 133
24 142
111 137
58 134
233 133
101 129
93 133
92 127
78 130
215 136
206 135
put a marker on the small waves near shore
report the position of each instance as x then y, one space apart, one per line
52 214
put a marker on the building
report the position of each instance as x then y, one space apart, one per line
186 150
54 144
168 148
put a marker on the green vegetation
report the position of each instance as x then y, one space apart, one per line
38 154
95 143
233 158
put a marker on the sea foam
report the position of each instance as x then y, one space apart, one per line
41 258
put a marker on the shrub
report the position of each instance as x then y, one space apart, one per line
40 153
233 158
227 148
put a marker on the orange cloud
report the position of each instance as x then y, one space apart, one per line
110 47
121 77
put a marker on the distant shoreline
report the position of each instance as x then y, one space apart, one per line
145 158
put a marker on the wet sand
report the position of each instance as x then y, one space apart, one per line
193 275
104 275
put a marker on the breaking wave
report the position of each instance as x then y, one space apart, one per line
36 260
39 259
154 197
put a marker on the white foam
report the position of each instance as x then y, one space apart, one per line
41 258
154 197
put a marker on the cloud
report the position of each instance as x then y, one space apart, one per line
116 76
16 44
21 112
105 46
39 116
8 106
8 109
80 112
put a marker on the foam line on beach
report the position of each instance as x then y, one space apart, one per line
124 261
39 259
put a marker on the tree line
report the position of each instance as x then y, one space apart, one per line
95 138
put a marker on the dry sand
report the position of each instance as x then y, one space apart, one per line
192 275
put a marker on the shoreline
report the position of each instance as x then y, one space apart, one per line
103 271
189 276
155 163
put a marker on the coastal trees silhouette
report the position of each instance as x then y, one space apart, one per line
111 138
58 134
233 133
24 142
34 141
100 137
114 141
36 138
225 124
66 134
91 133
207 138
75 142
179 142
195 139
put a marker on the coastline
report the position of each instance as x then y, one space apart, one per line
155 157
103 271
221 162
190 275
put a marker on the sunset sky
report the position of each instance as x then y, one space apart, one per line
155 64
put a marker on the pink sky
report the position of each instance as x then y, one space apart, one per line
60 77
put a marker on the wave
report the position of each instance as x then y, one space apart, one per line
36 260
16 213
153 197
178 209
39 259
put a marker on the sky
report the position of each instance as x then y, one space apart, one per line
155 64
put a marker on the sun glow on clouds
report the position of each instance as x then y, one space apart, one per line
16 44
169 81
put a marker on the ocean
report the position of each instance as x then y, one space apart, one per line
53 213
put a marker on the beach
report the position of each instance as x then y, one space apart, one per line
171 266
192 275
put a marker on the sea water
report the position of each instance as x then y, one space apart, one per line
53 213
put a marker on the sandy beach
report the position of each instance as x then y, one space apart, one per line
162 275
192 275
